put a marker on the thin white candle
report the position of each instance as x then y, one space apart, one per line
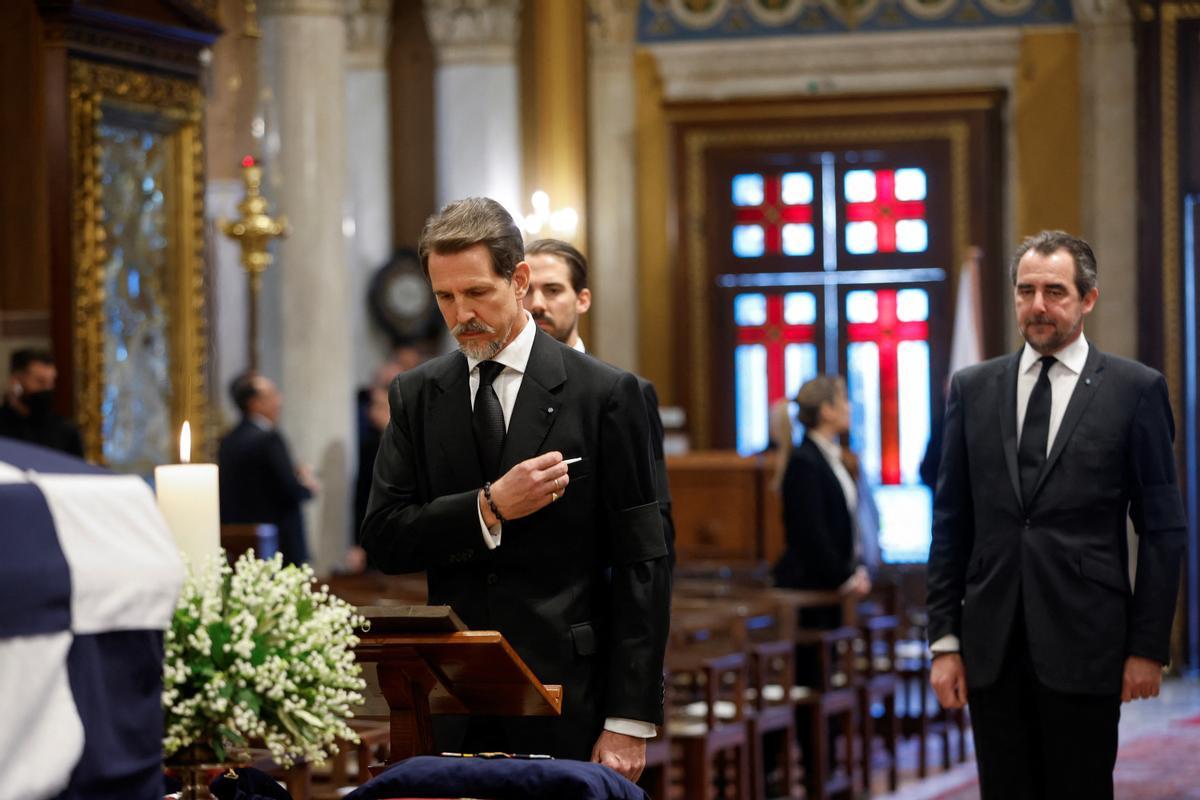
189 500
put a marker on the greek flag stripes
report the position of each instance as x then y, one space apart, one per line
89 576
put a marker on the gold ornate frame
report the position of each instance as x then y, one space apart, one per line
179 105
697 143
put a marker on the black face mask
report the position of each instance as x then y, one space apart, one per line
39 403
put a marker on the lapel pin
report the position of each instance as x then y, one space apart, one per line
550 410
1088 381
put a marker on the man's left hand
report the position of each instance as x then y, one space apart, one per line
625 754
1142 678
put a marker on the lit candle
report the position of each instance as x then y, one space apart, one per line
188 499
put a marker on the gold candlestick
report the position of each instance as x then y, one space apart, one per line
254 232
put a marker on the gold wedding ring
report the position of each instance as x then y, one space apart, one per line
553 496
556 484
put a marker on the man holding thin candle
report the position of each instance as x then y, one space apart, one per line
472 485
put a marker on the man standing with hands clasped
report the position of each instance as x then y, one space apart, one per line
472 485
1031 614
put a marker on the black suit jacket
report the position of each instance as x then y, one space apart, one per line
820 534
259 484
661 483
1063 558
581 587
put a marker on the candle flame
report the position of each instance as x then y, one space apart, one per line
185 443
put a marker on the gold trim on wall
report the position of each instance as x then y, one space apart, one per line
696 145
1169 65
180 104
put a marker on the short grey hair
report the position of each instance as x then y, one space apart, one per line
1050 242
465 223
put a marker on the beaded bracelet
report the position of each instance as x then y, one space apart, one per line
487 495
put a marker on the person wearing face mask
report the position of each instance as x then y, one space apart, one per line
27 412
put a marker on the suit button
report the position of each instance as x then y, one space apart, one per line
492 578
1027 522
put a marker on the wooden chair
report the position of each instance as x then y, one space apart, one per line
706 719
237 538
829 769
878 686
656 778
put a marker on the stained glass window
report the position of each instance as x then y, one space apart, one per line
775 354
885 211
137 383
773 214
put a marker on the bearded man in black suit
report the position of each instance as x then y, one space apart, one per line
1046 453
471 485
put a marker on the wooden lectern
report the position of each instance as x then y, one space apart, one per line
428 663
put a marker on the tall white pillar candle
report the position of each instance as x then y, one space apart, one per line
189 499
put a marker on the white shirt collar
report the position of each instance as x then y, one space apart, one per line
516 354
1073 356
259 421
831 449
579 344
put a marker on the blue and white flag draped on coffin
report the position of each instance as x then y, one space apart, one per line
89 577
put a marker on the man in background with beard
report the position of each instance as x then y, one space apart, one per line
27 414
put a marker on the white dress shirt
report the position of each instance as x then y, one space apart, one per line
515 358
1064 374
579 344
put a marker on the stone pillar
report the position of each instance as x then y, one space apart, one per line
477 101
303 71
368 157
612 212
1108 141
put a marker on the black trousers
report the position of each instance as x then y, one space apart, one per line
1035 743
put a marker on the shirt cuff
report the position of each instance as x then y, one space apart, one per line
947 644
630 727
491 536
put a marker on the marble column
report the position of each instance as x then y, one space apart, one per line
1108 141
303 59
612 214
477 101
368 157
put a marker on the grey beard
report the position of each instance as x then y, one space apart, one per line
480 351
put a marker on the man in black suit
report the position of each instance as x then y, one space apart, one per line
568 561
27 412
1045 453
259 484
558 296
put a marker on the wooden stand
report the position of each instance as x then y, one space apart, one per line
427 663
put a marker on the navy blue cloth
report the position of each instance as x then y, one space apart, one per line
42 459
498 779
35 581
251 784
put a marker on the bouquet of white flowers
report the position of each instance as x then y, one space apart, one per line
255 653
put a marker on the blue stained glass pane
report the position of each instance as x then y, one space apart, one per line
799 366
905 522
800 308
748 241
912 305
750 309
798 239
910 184
861 238
862 381
859 186
747 190
862 305
134 283
913 367
912 236
750 394
797 188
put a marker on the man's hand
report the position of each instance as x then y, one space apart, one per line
949 680
307 479
527 487
1142 678
625 754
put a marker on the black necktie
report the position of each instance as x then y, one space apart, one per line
488 421
1035 432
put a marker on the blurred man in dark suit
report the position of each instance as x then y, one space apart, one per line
259 483
27 413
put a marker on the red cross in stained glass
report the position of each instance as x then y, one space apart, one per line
776 335
885 210
887 332
773 214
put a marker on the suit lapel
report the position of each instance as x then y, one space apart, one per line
1006 390
450 420
538 403
1085 390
